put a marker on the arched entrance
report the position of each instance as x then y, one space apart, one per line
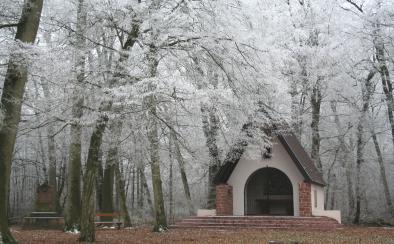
269 191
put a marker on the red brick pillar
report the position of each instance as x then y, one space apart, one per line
224 199
305 200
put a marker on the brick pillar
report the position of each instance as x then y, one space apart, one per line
305 200
224 199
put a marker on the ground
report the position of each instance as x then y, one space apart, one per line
145 235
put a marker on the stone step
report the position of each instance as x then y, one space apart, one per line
325 228
258 217
258 226
263 226
257 223
268 222
263 220
254 223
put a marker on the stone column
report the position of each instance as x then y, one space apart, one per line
224 199
305 200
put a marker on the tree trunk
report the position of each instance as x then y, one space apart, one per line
133 181
347 163
367 91
316 98
153 137
51 151
330 181
144 186
88 198
333 194
50 132
139 187
382 169
11 103
108 182
210 124
88 208
60 187
296 109
111 163
51 156
73 204
43 154
385 77
388 91
181 163
171 182
160 215
99 184
359 162
51 145
122 195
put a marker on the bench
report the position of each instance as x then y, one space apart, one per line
114 219
43 220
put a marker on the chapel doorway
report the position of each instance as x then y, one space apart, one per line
269 191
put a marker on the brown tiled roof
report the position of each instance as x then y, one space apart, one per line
301 158
290 142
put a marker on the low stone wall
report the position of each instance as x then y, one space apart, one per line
206 212
334 214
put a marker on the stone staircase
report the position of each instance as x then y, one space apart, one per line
258 222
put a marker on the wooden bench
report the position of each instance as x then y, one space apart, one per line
114 216
43 220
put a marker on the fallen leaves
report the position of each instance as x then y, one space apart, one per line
145 235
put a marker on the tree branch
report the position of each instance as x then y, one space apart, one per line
358 7
8 25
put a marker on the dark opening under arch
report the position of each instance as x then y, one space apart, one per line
269 191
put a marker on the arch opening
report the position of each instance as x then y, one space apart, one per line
269 191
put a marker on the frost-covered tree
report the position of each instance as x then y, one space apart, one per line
11 101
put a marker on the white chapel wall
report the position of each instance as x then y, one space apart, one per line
251 161
317 198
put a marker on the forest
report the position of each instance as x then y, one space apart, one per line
133 105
